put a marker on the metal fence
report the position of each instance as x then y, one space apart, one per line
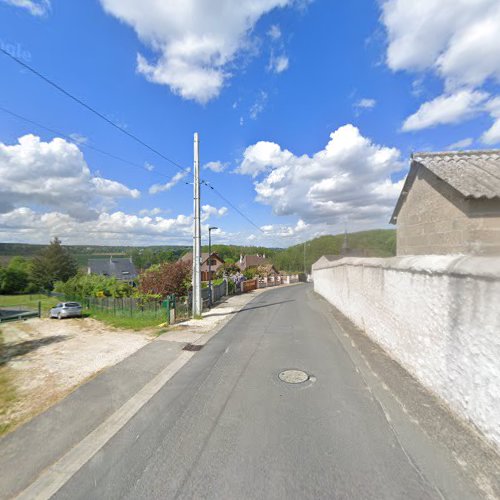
126 306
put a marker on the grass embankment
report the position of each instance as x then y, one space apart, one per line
7 390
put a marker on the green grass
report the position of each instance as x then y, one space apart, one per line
7 391
139 321
30 300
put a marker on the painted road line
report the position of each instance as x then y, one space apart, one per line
58 474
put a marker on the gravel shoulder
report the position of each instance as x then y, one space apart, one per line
47 359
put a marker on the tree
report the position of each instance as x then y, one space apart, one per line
165 279
53 263
14 278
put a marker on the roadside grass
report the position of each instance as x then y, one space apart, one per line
138 321
30 300
7 391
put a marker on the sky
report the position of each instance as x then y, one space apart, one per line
307 111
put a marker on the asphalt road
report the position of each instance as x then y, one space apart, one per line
226 427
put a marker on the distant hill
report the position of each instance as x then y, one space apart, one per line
376 243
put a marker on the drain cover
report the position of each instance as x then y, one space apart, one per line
293 376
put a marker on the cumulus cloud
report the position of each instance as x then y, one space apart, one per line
216 166
34 7
195 41
54 175
26 225
446 109
350 178
456 40
178 177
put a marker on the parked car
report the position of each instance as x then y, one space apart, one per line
66 310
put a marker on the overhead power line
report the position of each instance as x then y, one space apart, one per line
118 127
83 144
91 109
232 205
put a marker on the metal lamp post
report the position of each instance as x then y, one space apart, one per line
210 264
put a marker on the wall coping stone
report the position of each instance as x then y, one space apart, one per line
454 265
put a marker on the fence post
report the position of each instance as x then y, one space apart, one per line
39 309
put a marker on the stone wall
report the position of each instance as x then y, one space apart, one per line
438 316
436 219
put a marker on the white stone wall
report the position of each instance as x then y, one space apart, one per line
439 316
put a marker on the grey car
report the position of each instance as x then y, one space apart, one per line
66 310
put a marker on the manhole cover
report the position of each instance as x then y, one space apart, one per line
192 347
293 376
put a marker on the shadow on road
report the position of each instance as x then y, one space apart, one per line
249 308
12 350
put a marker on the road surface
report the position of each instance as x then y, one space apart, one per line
226 427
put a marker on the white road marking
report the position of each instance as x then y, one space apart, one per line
58 474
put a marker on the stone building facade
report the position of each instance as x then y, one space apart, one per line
450 203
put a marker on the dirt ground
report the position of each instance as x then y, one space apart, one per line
46 359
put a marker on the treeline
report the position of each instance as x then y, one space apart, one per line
24 272
51 264
374 243
231 253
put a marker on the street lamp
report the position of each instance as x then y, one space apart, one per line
210 264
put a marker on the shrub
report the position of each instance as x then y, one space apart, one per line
165 279
93 285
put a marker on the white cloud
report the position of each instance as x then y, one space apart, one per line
285 231
178 177
116 228
463 143
195 41
216 166
54 175
274 32
278 64
152 211
365 103
78 138
34 7
456 40
447 109
259 105
149 166
350 178
208 211
492 135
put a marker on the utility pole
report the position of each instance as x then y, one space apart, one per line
210 229
197 305
305 271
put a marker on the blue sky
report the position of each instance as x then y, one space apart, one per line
307 112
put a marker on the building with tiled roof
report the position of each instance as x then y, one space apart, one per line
450 203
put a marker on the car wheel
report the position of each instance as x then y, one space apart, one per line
59 316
